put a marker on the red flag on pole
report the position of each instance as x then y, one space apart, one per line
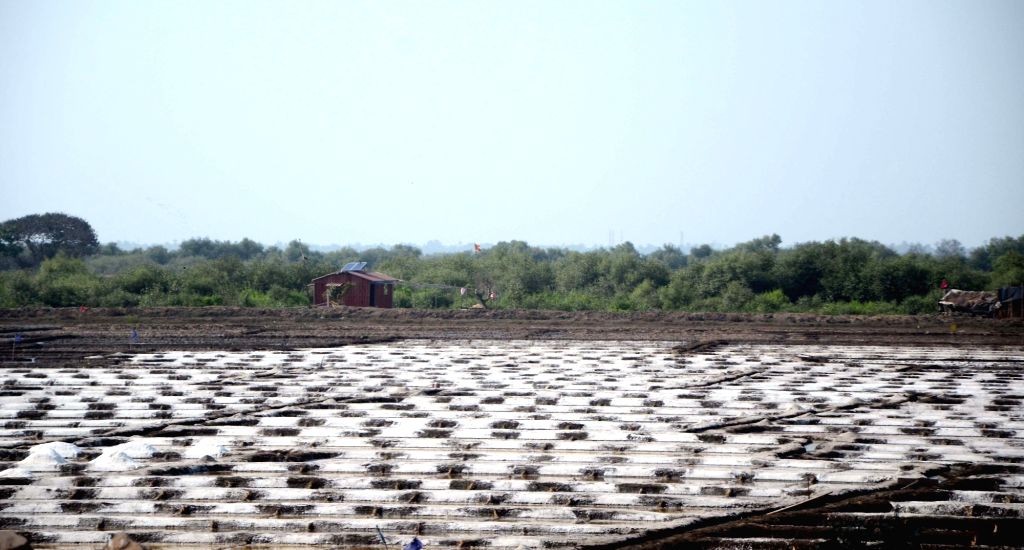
476 248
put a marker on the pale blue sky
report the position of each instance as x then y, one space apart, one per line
551 122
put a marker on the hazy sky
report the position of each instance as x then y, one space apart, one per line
551 122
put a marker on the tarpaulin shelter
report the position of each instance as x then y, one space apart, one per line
1011 302
975 302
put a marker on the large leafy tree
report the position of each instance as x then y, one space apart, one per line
42 236
9 246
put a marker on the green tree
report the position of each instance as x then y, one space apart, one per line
950 248
736 296
702 251
110 249
42 236
768 243
518 272
770 302
898 278
798 271
984 257
64 281
848 268
621 269
143 279
17 289
577 272
158 254
645 297
683 289
246 249
750 269
9 247
951 262
669 256
1008 270
297 251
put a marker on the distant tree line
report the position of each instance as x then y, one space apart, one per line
55 260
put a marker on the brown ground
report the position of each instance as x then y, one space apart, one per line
104 330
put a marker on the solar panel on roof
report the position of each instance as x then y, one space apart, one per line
354 266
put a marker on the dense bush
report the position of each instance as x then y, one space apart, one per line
844 276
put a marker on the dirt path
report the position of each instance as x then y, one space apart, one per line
69 331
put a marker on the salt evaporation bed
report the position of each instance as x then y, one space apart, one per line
516 444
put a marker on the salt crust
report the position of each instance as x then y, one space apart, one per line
703 405
207 447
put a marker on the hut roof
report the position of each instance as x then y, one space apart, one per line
371 276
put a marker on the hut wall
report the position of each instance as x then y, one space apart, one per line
358 295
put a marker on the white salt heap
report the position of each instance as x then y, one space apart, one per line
122 457
47 457
114 462
207 447
65 450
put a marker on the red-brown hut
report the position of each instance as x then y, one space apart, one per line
352 286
